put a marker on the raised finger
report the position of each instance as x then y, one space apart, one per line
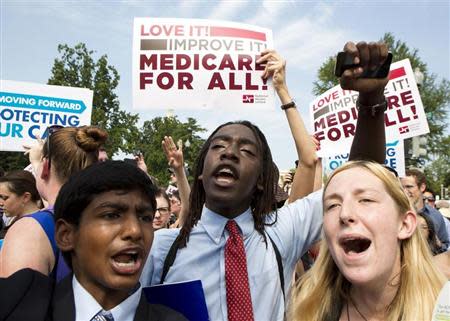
383 51
164 147
351 49
266 72
265 55
364 56
374 52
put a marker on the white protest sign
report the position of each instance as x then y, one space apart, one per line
333 114
441 310
395 159
197 64
27 109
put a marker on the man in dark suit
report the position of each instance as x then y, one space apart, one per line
104 229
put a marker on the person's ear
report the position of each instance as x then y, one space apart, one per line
408 225
45 169
423 187
26 197
200 177
65 235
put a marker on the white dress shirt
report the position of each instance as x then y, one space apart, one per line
86 307
298 227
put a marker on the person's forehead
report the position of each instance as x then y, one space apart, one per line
408 180
4 187
161 200
352 179
119 197
236 131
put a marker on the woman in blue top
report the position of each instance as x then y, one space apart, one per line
18 196
29 243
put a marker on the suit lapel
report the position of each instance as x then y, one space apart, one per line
143 310
63 303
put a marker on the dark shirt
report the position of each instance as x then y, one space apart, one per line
439 225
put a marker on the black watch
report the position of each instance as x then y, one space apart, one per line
372 110
288 105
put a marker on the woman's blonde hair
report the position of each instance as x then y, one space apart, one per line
323 291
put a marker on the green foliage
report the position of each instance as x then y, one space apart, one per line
437 174
325 77
76 67
13 160
152 134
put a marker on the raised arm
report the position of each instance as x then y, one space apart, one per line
174 156
306 152
318 176
370 140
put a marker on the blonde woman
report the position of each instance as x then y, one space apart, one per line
375 264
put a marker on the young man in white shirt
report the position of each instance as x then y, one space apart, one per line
234 182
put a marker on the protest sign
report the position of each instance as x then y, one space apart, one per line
395 158
197 64
334 114
27 109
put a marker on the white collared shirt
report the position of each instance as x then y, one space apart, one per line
298 227
86 307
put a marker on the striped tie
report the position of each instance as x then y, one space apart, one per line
103 316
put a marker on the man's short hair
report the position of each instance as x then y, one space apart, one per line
176 194
82 187
418 174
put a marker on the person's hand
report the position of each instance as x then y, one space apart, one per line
140 162
288 178
316 142
369 56
34 153
173 154
275 68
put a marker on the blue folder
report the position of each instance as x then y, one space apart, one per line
186 297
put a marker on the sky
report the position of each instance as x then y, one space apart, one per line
305 33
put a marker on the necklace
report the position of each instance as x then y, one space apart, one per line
357 310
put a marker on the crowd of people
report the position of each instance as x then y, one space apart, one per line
85 234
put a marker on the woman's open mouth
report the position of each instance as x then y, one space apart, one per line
355 244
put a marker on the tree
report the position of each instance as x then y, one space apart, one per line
152 134
435 96
76 67
13 160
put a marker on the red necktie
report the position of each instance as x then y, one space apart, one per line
239 300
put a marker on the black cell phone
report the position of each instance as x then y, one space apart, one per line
131 161
344 61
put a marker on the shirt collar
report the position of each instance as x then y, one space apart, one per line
214 223
127 308
425 209
87 307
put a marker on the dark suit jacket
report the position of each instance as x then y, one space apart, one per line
63 306
25 296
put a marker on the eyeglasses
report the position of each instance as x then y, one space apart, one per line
163 210
48 132
429 199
